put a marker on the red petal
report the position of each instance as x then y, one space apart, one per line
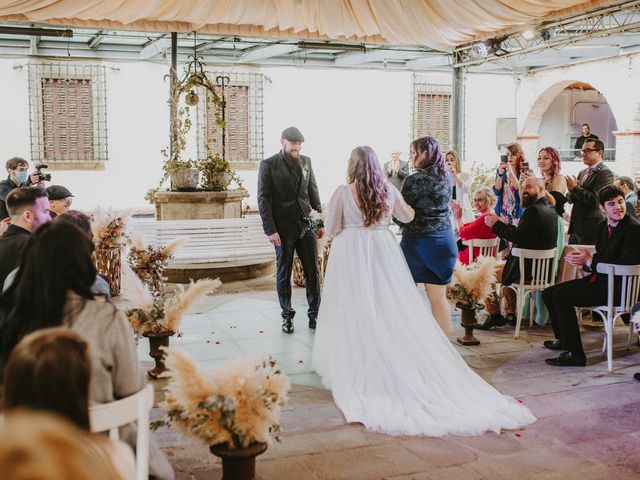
518 435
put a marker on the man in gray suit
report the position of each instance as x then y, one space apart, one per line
628 187
396 170
583 194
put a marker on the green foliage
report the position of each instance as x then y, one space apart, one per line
480 177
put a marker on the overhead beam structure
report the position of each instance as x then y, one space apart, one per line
624 17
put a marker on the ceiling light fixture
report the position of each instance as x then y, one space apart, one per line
529 34
332 46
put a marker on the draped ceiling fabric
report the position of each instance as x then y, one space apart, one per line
439 24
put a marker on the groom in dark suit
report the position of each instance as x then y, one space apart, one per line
287 192
583 193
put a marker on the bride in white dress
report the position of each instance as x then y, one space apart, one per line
377 345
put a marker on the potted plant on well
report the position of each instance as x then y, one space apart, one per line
470 285
234 408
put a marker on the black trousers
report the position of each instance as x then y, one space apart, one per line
561 300
307 250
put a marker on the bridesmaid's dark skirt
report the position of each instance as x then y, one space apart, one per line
430 256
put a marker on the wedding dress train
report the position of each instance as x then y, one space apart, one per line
378 347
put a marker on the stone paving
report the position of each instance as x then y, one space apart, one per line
587 418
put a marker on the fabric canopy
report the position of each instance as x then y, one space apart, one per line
439 24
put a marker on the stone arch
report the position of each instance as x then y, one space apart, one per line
529 134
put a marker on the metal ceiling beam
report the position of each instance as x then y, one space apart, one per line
379 55
40 32
96 39
261 53
430 61
620 18
155 47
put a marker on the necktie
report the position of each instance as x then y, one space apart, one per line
586 175
610 230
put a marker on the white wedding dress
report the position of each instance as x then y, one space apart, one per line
378 347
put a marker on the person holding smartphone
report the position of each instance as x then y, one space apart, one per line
507 184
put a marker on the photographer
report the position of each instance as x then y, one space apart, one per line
17 168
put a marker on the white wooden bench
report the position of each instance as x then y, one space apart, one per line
209 241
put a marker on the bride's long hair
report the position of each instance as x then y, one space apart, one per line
371 189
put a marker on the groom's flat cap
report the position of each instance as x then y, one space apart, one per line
292 134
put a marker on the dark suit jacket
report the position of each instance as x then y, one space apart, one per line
623 248
536 230
11 244
586 209
285 195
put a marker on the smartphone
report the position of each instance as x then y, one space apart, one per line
504 158
525 166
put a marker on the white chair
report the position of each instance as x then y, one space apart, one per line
110 416
488 247
629 278
543 272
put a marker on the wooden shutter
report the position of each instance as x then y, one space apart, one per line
434 117
237 119
67 110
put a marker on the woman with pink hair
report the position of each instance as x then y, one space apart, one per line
377 345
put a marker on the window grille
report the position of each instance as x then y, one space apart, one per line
67 112
243 117
432 112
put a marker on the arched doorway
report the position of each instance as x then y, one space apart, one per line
557 116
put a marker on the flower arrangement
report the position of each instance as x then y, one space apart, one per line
148 256
109 229
162 312
235 405
471 284
313 222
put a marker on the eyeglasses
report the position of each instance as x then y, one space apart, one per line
587 150
478 200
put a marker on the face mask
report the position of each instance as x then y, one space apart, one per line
21 177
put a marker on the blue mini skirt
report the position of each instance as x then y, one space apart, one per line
430 256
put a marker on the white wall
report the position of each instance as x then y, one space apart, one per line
336 109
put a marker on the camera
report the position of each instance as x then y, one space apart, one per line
504 158
42 177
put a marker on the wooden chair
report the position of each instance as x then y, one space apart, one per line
488 247
134 408
543 272
629 278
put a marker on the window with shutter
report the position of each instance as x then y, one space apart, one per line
432 112
243 141
67 106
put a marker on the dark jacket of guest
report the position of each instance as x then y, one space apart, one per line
6 186
11 245
623 248
286 194
430 196
536 230
586 213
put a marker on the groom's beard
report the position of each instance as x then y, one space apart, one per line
528 200
290 158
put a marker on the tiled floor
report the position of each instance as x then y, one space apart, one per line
587 417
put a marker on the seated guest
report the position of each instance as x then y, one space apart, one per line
617 240
483 200
536 230
628 187
50 371
28 208
53 288
40 446
60 199
100 287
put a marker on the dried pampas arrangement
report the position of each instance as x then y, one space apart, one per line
235 405
471 284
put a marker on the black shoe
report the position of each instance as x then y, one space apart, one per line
511 319
493 321
287 325
637 376
567 359
312 323
552 344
